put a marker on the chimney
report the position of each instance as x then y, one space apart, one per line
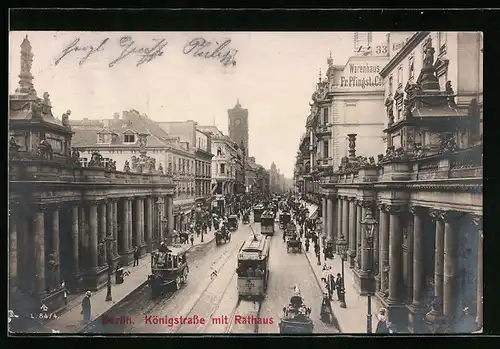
352 145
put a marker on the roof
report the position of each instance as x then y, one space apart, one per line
130 121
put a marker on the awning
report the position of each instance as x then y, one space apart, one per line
313 211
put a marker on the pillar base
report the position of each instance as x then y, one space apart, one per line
352 262
75 284
127 257
416 323
142 249
398 315
363 283
94 279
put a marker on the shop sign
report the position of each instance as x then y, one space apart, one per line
362 76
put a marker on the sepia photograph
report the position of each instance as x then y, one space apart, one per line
245 182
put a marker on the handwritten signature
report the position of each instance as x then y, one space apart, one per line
199 47
147 53
73 47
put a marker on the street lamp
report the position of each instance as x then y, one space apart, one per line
368 225
109 240
342 245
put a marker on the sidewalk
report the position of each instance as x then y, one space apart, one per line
353 318
71 320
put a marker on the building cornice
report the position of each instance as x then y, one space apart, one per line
413 42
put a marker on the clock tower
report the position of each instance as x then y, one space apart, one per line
238 125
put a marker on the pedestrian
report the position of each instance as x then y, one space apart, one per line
307 245
192 239
284 234
65 292
339 285
136 256
382 321
326 308
86 307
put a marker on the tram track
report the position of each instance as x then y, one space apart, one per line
207 287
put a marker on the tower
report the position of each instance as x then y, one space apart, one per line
238 125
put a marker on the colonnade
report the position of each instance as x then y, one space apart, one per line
342 216
89 229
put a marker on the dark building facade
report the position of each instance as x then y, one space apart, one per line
68 222
238 126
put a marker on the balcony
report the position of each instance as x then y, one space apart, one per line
323 130
324 163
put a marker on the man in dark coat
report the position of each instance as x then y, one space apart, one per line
136 256
86 307
339 284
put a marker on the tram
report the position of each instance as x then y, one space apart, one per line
267 223
257 212
253 267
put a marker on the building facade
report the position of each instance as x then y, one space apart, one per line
134 142
227 163
425 190
62 225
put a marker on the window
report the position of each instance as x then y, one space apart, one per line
391 87
100 139
400 75
222 168
106 161
325 116
325 149
412 67
84 162
441 43
129 139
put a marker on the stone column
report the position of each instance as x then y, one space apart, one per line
351 237
109 220
124 246
93 234
138 223
345 218
102 235
478 221
75 238
115 226
450 277
324 213
149 227
418 256
82 236
130 224
384 248
339 215
170 214
359 235
395 252
39 247
13 250
330 222
438 254
55 247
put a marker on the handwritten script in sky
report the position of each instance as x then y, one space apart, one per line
198 47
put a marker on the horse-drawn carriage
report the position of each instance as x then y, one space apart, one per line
293 243
296 316
222 234
232 222
246 218
285 219
169 268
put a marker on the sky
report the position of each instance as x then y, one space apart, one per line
274 77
